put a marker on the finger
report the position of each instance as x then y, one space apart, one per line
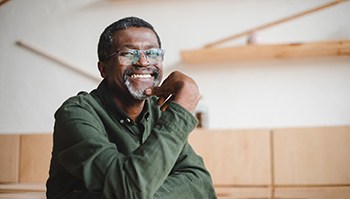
160 100
162 90
164 107
166 103
158 91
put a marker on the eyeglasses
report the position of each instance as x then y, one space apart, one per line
132 56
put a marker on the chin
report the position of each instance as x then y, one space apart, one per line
137 94
139 97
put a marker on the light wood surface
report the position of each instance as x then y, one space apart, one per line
35 158
312 156
242 192
22 187
265 52
281 163
313 193
3 2
9 158
234 157
31 195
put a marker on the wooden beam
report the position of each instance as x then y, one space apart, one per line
3 2
261 52
57 60
268 25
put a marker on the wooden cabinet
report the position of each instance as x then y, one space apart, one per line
313 193
35 158
242 192
312 156
25 158
232 156
284 163
238 160
9 158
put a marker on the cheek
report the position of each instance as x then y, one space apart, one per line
115 71
160 67
113 74
119 75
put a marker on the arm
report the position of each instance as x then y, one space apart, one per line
188 179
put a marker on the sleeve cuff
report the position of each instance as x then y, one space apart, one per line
178 118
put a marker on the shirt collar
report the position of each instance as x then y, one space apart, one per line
121 116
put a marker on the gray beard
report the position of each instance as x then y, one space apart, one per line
139 93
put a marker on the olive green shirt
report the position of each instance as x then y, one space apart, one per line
99 152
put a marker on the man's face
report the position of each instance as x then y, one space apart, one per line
131 79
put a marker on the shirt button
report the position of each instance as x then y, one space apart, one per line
128 120
121 121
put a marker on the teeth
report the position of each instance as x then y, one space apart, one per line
141 76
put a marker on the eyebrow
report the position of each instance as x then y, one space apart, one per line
132 46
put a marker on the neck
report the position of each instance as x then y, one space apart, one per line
126 102
132 107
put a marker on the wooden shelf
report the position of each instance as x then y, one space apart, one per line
261 52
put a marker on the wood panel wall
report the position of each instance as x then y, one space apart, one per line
310 163
35 155
9 158
25 158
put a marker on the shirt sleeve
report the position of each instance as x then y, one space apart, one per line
189 179
83 149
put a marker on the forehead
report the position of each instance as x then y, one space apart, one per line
134 37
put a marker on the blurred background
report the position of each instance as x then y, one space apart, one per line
250 93
274 77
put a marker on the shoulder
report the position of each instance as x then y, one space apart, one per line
83 102
83 99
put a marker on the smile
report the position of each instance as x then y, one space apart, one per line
141 76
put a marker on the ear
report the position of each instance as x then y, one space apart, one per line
102 68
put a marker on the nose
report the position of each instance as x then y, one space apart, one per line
143 60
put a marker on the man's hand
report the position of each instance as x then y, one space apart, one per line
179 88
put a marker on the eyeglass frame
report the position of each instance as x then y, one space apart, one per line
138 54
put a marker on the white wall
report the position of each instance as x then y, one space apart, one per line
275 93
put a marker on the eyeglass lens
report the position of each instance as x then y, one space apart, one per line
153 56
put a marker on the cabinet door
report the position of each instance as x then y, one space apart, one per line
312 156
234 157
9 158
35 158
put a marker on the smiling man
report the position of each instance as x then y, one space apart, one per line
127 139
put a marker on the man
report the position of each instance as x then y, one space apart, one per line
128 138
